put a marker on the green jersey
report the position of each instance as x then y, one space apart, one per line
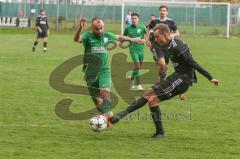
96 48
135 32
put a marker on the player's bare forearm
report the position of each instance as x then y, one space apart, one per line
77 35
162 67
147 37
39 29
147 34
122 38
138 40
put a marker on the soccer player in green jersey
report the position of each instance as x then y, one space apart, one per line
96 63
136 30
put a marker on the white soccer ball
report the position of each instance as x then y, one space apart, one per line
98 123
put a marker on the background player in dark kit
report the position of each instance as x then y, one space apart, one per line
42 30
156 50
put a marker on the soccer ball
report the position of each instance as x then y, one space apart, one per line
98 123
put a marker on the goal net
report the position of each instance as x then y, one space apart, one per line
197 18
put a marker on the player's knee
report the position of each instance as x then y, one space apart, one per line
145 95
137 66
148 94
99 102
105 94
153 101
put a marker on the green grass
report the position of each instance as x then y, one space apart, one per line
31 129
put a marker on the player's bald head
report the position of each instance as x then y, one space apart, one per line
97 26
97 21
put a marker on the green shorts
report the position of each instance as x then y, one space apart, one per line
103 80
137 56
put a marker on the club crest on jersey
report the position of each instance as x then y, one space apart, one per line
138 31
105 40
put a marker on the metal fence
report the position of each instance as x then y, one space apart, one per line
192 18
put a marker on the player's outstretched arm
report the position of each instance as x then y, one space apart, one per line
122 38
187 58
77 34
148 43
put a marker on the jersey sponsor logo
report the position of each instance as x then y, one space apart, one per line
42 22
138 31
100 49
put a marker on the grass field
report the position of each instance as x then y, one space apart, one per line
31 129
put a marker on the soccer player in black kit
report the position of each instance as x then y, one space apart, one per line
156 50
42 30
175 84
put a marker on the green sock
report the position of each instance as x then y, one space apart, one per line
134 74
137 77
106 106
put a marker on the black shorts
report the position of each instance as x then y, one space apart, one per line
43 34
175 84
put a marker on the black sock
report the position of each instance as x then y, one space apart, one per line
45 44
35 43
156 116
137 104
134 106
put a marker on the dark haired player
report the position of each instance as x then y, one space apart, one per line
136 30
156 50
42 30
175 84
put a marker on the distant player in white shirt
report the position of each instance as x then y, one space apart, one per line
128 20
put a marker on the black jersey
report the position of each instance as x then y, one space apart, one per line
41 21
157 51
169 22
183 62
